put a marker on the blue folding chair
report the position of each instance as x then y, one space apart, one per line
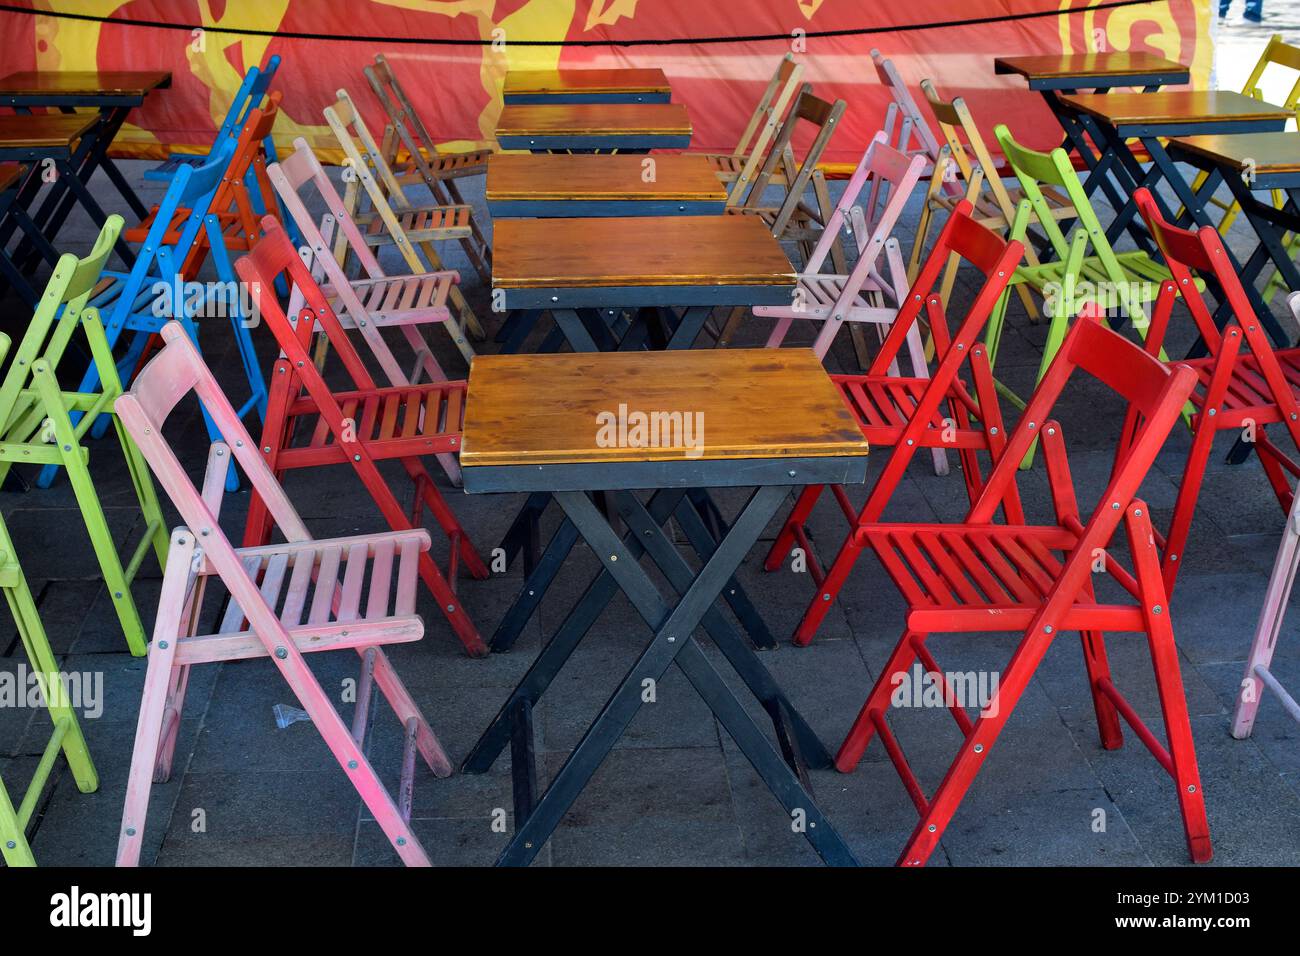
153 293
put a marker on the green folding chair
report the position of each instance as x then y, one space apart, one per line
66 737
1070 274
36 419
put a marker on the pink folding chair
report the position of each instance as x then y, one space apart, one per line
1258 676
376 300
285 600
868 293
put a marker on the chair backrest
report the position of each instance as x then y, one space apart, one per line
1280 54
1187 253
159 264
368 160
994 257
247 98
763 124
824 117
888 178
1156 391
966 148
59 313
171 374
405 121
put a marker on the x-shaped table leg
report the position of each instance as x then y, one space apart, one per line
673 642
699 520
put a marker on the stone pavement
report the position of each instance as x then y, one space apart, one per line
676 789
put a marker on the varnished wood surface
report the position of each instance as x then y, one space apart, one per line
539 177
755 403
637 251
592 119
1113 63
38 130
585 81
84 82
1273 152
1174 106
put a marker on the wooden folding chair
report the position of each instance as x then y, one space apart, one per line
873 291
1243 384
979 576
362 424
36 423
739 167
1081 268
906 128
376 300
969 162
906 414
411 133
285 600
422 224
247 98
392 219
795 220
1259 677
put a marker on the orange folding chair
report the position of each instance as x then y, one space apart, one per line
1039 580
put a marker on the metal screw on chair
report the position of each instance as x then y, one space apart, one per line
672 640
267 449
792 472
451 608
1157 609
932 828
130 831
352 765
356 457
979 748
281 653
1047 629
162 645
401 841
826 597
1137 512
10 844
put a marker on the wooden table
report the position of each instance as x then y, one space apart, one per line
113 94
1053 74
589 127
542 185
765 419
1116 118
624 262
1250 164
586 86
585 272
47 145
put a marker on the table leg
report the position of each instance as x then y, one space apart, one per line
673 635
688 328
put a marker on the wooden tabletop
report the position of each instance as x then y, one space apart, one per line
1174 106
1272 152
538 177
592 119
46 129
83 82
585 81
567 408
1114 63
620 251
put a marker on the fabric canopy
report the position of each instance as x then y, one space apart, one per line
456 88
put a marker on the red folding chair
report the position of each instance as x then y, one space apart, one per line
979 576
909 413
1243 384
308 425
286 600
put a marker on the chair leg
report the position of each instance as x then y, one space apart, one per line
785 540
864 727
404 706
836 576
734 318
1098 667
